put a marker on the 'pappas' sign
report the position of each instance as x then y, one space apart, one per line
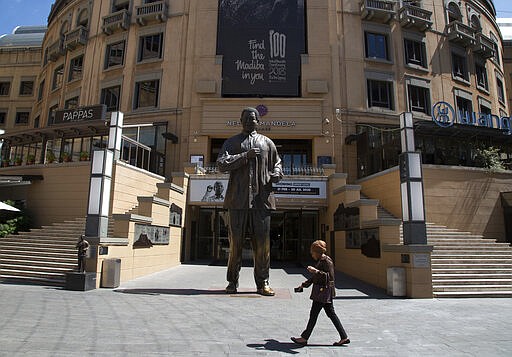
96 112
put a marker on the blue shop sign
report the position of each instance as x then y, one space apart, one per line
445 116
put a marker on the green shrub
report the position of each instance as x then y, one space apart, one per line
13 222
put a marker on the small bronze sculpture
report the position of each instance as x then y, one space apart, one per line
82 247
253 165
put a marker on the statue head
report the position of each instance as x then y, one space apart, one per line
250 118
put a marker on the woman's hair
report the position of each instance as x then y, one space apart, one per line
319 246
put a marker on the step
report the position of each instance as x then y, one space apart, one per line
54 281
465 266
47 257
474 254
36 274
5 249
467 248
6 266
464 275
38 240
471 260
41 255
38 263
37 245
496 287
472 294
486 281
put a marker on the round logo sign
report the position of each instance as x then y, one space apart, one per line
262 109
443 114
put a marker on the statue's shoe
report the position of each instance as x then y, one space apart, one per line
266 291
231 288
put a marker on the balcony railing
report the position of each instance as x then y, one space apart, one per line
116 21
304 170
55 50
460 33
378 10
135 153
484 46
153 11
75 38
416 17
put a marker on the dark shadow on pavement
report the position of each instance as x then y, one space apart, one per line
153 291
274 345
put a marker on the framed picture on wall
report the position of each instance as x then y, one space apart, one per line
197 159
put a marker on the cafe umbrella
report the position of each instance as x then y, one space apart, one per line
6 207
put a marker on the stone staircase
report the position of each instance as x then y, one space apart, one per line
468 265
42 255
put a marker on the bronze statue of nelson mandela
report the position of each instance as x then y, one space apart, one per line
253 165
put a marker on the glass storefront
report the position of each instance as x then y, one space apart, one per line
378 147
291 234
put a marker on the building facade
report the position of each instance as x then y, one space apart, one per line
329 78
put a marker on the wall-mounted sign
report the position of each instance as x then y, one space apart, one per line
211 191
365 239
445 116
95 112
155 234
346 218
261 42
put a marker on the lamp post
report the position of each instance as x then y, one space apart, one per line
411 185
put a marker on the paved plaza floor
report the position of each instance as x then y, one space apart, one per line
183 311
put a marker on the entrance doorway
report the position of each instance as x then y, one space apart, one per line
291 234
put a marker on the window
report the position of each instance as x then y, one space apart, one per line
501 90
51 114
26 87
481 76
415 53
3 116
58 76
150 47
118 5
40 91
475 23
454 13
459 67
376 45
75 68
115 54
110 97
464 106
419 99
146 94
22 118
380 94
485 109
83 18
71 103
496 57
5 88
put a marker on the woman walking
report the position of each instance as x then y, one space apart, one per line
322 294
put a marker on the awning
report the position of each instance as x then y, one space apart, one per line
6 207
463 131
64 131
6 181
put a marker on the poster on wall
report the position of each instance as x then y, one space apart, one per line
212 191
155 234
261 42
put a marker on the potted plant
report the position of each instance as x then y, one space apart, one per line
6 163
50 157
17 161
31 159
66 157
84 156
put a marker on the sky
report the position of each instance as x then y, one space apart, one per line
35 12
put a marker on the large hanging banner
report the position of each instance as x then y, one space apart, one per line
261 42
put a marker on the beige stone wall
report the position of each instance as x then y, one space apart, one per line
466 199
130 183
385 187
60 195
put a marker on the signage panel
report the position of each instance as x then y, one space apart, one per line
66 116
261 42
211 191
445 116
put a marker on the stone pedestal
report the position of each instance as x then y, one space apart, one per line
78 281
